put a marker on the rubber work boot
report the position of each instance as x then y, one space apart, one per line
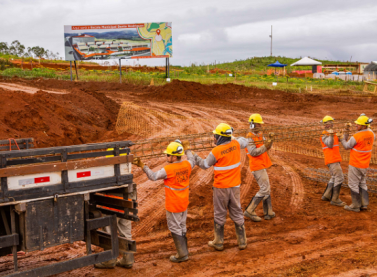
107 265
127 260
181 246
241 236
218 242
327 195
335 196
364 199
267 208
250 210
356 202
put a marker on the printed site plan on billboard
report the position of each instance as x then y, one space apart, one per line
118 41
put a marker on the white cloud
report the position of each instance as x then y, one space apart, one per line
205 31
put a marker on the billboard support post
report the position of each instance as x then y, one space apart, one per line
120 71
70 65
77 74
167 69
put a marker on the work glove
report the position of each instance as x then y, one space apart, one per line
268 144
271 136
331 132
186 145
340 135
348 126
138 162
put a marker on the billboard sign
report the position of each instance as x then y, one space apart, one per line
118 41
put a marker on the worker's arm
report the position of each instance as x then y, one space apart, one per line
254 151
328 141
202 163
191 158
154 176
348 144
242 141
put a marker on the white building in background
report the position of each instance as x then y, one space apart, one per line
83 39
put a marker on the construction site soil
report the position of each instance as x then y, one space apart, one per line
308 237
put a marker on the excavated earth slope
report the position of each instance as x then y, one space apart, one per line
308 237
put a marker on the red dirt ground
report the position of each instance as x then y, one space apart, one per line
308 237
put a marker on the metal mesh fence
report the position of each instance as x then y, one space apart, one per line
152 123
322 175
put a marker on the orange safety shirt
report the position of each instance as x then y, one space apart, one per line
177 186
259 162
332 155
361 153
227 169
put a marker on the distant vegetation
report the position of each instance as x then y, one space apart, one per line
253 64
18 50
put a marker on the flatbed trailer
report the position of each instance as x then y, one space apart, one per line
52 196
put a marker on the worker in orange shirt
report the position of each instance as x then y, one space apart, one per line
330 147
226 161
259 161
361 144
176 176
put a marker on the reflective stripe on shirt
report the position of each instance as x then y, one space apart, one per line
227 167
361 150
174 188
332 146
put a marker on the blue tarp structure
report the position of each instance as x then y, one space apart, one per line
341 73
277 64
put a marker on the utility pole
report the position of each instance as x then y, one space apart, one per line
271 40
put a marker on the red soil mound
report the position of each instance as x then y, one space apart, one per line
56 119
178 91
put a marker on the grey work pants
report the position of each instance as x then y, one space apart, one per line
357 178
336 172
124 228
224 199
177 222
261 177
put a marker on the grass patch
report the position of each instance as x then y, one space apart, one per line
34 73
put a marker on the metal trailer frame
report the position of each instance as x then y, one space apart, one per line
29 208
14 144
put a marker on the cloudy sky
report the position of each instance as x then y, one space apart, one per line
209 30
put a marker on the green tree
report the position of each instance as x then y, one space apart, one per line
16 48
38 51
4 48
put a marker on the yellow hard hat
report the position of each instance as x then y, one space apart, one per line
224 130
256 118
327 118
175 148
363 120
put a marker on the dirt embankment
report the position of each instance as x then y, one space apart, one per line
178 91
78 117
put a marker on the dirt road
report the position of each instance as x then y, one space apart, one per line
308 237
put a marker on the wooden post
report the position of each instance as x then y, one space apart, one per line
120 71
70 65
77 74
